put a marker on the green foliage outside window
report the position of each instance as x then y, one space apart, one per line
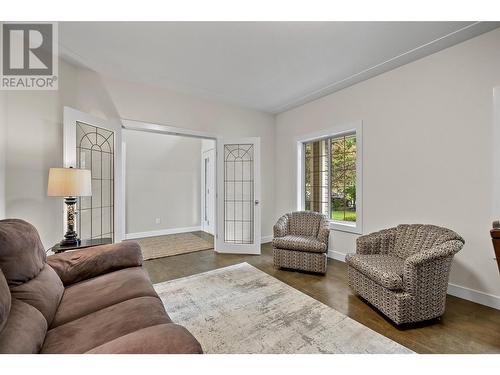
343 178
331 162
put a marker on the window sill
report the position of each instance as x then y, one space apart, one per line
345 227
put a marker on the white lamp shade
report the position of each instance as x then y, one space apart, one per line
69 182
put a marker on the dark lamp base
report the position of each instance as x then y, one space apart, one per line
71 237
70 242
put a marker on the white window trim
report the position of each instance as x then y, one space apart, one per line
355 127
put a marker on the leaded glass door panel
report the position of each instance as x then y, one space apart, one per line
96 144
95 151
238 214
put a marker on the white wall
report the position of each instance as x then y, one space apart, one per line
3 151
160 106
495 143
33 145
419 122
34 136
427 151
163 175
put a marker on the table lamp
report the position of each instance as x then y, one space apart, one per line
69 183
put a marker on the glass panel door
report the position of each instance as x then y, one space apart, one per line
238 193
96 144
238 174
95 151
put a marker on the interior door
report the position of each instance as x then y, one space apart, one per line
96 144
238 196
208 191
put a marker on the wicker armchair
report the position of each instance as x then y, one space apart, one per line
404 271
301 241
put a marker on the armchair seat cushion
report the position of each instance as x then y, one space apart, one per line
300 243
385 270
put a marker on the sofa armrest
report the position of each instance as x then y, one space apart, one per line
161 339
381 242
324 230
280 229
78 265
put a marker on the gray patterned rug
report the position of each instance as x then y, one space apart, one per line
240 309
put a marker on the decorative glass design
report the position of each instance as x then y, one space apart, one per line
239 193
95 151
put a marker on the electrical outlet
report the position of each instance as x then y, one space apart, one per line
158 220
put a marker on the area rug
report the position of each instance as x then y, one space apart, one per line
240 309
172 244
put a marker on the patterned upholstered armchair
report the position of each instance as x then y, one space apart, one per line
404 271
301 241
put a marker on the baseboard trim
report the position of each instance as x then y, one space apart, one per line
336 255
474 295
161 232
266 239
454 290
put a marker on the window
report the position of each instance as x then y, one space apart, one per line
331 177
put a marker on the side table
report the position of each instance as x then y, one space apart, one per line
57 248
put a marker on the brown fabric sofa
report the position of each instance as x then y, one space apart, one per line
95 300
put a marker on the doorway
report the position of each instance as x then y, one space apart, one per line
164 192
208 188
236 214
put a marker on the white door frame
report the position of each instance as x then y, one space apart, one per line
70 117
165 129
220 245
210 155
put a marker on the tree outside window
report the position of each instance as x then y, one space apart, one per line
330 177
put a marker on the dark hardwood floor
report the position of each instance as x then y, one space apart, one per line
466 327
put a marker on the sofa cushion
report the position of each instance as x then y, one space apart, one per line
300 243
95 329
24 331
99 292
165 338
22 255
386 270
5 301
43 292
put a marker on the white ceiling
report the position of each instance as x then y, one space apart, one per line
269 66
